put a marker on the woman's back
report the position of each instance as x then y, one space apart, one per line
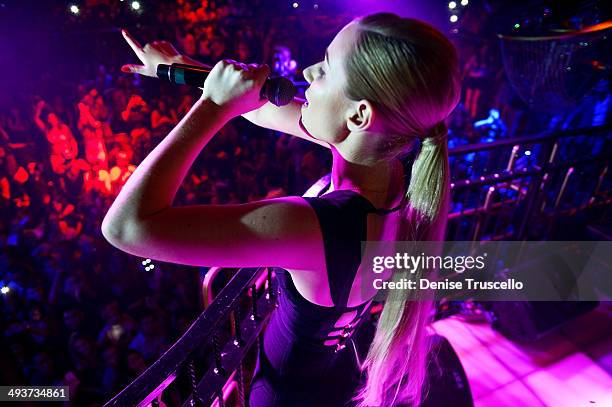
340 214
311 352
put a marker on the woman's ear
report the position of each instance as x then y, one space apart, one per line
360 116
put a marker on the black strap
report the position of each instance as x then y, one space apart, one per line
342 218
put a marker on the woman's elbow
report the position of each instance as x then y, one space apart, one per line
117 233
111 232
125 235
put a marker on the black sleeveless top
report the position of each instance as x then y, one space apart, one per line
305 360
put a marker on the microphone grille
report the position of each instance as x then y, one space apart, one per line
279 90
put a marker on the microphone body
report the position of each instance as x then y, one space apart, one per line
278 90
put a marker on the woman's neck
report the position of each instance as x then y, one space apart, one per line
369 178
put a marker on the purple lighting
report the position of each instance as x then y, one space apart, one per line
161 243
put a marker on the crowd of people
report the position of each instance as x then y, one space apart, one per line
76 311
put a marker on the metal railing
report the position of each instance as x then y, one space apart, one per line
505 202
249 318
525 184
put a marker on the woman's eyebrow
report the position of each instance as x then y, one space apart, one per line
326 56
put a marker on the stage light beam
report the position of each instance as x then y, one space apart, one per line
453 18
464 2
452 5
5 290
74 9
136 5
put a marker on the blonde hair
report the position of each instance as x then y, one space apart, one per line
409 71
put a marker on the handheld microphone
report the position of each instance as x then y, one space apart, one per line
278 90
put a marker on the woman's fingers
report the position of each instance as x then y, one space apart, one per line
260 72
132 68
135 45
141 53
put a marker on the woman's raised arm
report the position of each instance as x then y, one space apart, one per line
284 119
142 221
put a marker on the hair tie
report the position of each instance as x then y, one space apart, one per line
436 134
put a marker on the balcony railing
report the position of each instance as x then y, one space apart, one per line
523 185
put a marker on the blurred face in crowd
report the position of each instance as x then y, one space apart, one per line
35 314
99 102
70 286
53 120
73 319
58 206
136 363
44 364
111 313
122 159
282 62
84 347
111 356
18 350
36 294
217 48
244 53
148 325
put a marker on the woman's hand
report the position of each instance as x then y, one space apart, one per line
151 55
235 87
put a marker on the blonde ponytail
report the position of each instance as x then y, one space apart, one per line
430 178
410 72
396 361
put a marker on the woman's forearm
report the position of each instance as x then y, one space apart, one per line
152 187
284 119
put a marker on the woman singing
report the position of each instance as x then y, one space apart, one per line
386 82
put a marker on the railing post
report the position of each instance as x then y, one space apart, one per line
254 316
237 329
270 293
196 401
484 215
220 398
550 149
513 155
217 354
240 381
239 342
600 180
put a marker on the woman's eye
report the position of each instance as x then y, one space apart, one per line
321 71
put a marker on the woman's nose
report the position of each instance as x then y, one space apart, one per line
308 74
